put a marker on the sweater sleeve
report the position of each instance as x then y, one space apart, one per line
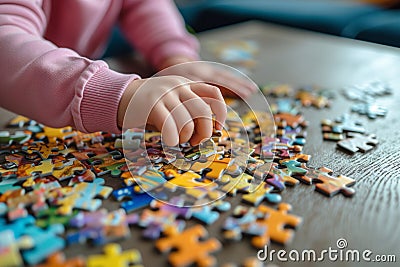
157 30
53 85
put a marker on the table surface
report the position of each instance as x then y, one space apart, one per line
370 219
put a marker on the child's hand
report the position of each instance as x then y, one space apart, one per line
230 84
179 108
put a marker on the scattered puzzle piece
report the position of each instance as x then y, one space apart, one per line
293 167
276 222
242 222
358 142
262 192
291 120
82 195
45 242
9 249
369 109
58 260
114 256
326 183
189 249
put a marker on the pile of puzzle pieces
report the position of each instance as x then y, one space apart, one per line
54 182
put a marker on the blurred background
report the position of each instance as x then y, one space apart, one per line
375 21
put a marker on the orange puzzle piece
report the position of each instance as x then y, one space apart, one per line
189 249
275 222
326 183
58 260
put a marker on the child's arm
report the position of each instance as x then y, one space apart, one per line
157 30
53 85
58 87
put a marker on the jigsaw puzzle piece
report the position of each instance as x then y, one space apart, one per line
45 242
20 121
86 176
82 195
214 169
326 183
47 217
68 169
114 256
276 223
205 214
263 191
53 134
101 226
105 163
189 248
8 185
9 249
358 142
369 109
278 90
278 178
291 120
293 167
345 123
58 260
333 136
156 221
136 200
242 222
43 168
44 150
191 182
84 140
149 180
233 185
310 98
18 137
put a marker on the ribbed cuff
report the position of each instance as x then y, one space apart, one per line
100 100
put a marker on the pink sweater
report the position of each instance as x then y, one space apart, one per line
46 51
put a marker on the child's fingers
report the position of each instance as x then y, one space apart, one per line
239 82
182 118
213 97
202 115
232 84
161 118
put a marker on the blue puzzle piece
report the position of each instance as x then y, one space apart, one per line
138 201
45 242
96 236
205 214
293 167
245 222
124 192
3 209
8 185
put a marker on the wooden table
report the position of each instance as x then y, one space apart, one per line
370 219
